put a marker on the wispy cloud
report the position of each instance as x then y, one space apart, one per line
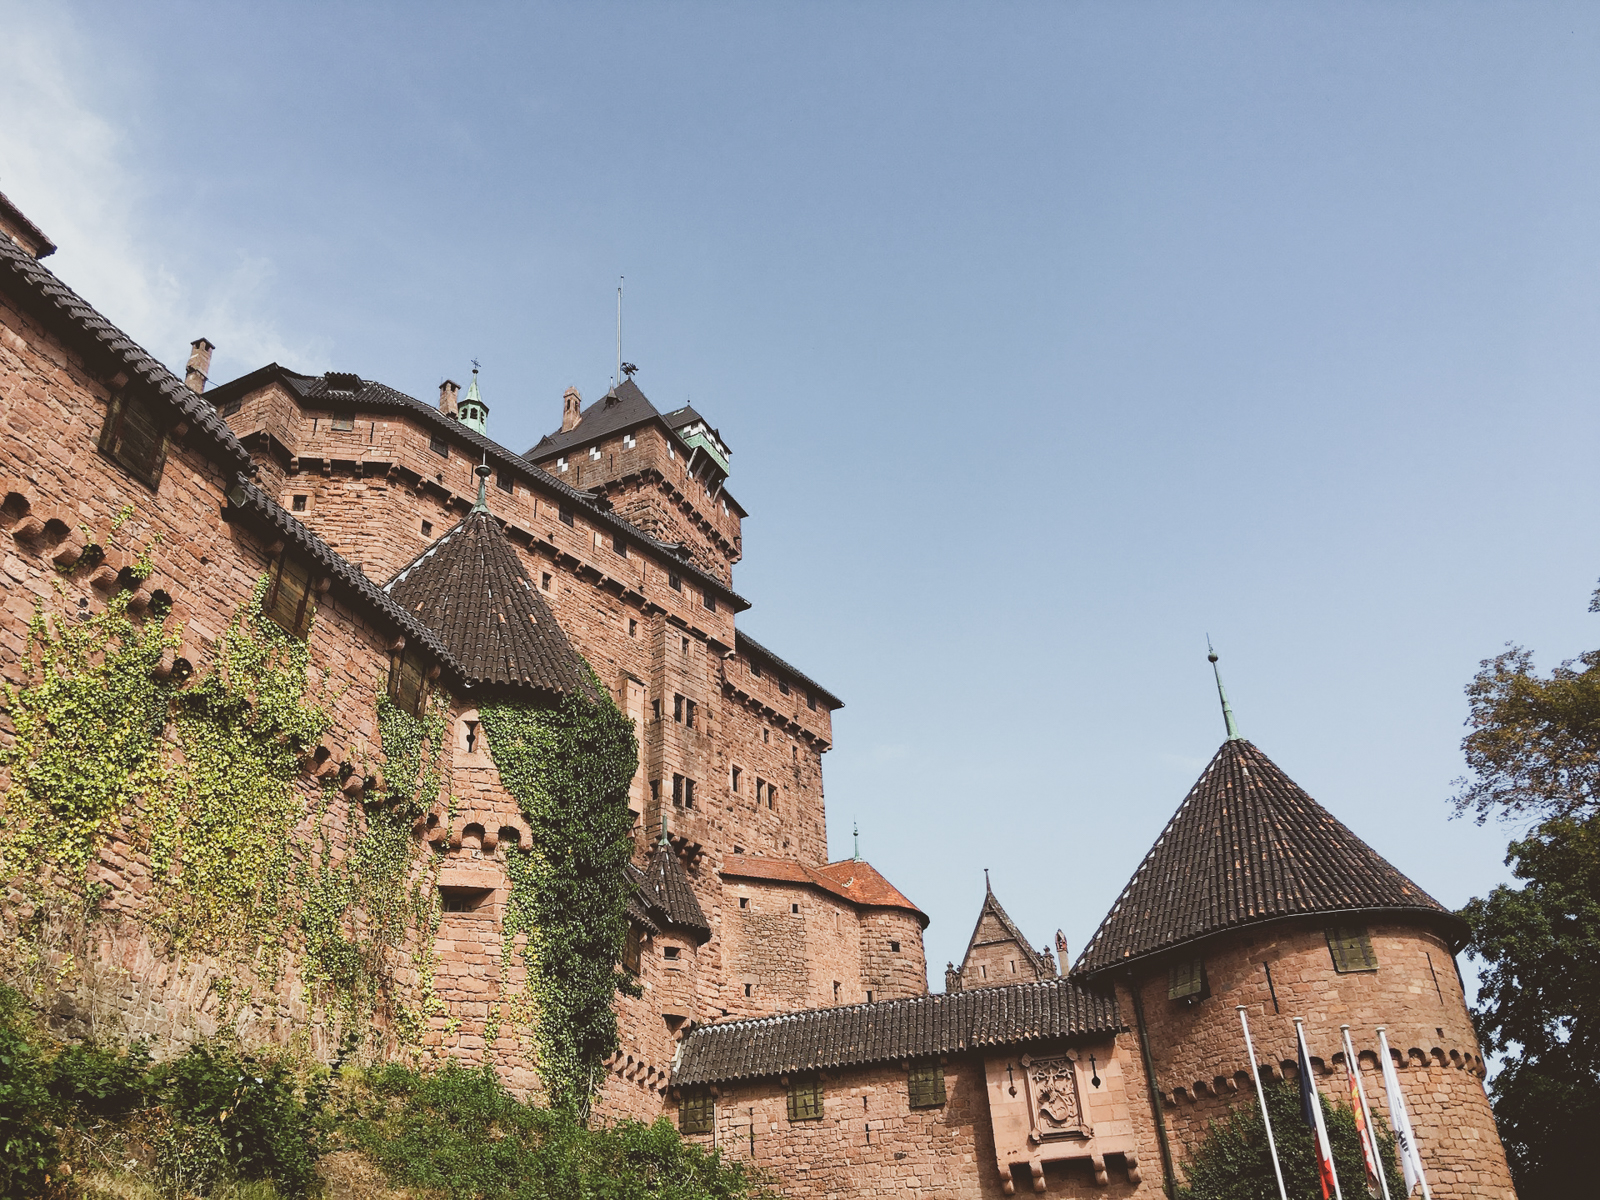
66 159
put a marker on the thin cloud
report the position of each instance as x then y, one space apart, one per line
70 166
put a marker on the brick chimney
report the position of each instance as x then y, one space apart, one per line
199 365
448 391
571 403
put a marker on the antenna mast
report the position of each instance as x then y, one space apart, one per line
616 380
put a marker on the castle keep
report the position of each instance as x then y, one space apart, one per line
778 1005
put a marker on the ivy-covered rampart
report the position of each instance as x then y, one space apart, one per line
568 765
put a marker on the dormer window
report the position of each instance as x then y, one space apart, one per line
134 436
289 602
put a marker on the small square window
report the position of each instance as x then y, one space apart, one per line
926 1084
869 995
670 953
697 1111
427 531
1351 949
342 424
503 480
627 441
795 908
894 947
783 686
744 902
135 437
544 576
755 669
594 453
710 601
565 513
561 465
674 582
620 546
439 446
811 702
298 504
805 1099
229 407
1186 980
462 900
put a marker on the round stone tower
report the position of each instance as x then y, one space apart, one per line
1256 895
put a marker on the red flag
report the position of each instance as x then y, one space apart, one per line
1311 1110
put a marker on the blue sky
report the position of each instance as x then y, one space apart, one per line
1047 338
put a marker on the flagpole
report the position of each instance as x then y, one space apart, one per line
1352 1064
1324 1147
1261 1097
1400 1119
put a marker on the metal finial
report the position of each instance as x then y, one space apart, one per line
987 889
1222 694
855 830
665 840
474 366
482 472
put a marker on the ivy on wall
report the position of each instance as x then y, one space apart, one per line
568 765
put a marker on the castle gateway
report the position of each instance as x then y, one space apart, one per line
432 581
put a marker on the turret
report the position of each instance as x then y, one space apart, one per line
472 411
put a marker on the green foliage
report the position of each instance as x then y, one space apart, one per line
29 1148
457 1131
90 1080
1539 1000
88 726
568 766
1234 1163
1534 744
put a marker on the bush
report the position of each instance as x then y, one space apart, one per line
29 1146
1233 1163
458 1131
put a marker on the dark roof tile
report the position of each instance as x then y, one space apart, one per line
1247 845
666 891
918 1027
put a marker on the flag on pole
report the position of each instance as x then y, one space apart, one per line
1261 1097
1311 1110
1377 1185
1405 1140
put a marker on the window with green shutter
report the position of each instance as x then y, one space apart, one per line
697 1111
805 1099
1186 980
926 1085
1351 949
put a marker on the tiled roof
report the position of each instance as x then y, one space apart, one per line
1248 845
470 588
850 879
13 216
379 397
750 648
635 907
615 411
117 350
892 1030
992 907
667 893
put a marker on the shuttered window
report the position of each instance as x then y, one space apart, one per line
697 1111
407 682
1351 949
926 1085
289 601
135 437
1186 979
805 1099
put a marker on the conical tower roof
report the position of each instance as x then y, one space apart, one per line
669 896
1248 845
469 587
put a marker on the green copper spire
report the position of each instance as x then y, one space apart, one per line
482 472
665 840
1222 694
472 411
856 833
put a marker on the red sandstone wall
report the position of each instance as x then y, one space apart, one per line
1203 1070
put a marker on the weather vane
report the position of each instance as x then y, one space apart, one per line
474 364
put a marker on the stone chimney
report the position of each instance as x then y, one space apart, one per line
448 391
571 404
199 365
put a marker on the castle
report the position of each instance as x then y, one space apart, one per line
782 1012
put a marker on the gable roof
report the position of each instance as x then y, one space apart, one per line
351 392
470 588
665 889
15 225
891 1030
851 879
992 909
1248 845
619 409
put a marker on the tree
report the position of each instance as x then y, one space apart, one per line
1534 751
1233 1163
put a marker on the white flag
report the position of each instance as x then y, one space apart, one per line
1405 1140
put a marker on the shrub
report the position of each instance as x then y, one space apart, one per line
29 1148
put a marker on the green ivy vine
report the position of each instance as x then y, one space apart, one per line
568 765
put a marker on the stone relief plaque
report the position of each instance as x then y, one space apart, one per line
1055 1109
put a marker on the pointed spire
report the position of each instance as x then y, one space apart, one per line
472 411
1227 713
856 833
482 472
987 890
